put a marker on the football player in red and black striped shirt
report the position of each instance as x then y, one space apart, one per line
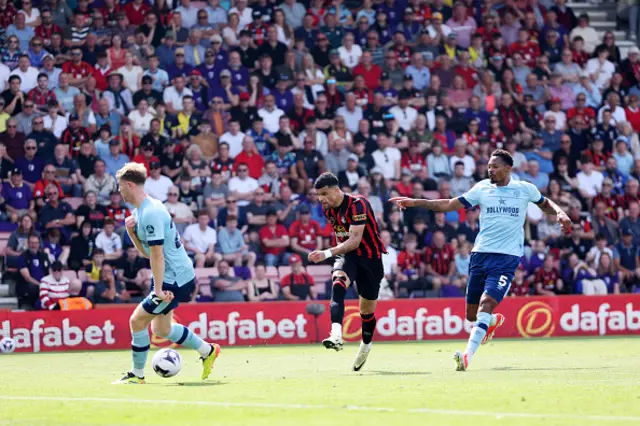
358 257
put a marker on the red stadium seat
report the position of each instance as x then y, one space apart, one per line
284 270
3 246
70 274
5 235
320 273
74 202
82 275
272 273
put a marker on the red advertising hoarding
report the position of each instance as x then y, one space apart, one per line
289 323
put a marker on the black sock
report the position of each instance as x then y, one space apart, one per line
337 302
368 327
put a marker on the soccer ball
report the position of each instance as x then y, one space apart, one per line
166 363
7 345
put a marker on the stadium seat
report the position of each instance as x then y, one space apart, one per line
82 275
74 202
3 246
203 274
284 270
272 273
5 235
72 275
320 273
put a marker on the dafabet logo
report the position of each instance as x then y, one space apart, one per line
535 319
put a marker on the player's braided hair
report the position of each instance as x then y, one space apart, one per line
505 156
326 179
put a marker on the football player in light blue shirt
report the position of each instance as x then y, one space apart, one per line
154 234
500 243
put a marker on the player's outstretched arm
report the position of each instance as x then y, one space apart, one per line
448 205
550 207
130 223
352 243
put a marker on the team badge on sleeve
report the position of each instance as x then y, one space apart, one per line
150 229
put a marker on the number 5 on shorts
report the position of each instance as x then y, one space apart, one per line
503 281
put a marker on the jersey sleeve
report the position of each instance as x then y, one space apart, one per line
534 194
472 197
153 228
359 212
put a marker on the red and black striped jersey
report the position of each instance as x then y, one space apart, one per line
612 204
354 211
627 198
440 258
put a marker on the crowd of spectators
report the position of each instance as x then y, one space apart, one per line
236 107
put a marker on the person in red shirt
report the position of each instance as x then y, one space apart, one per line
117 211
527 48
136 11
413 160
250 157
298 285
258 28
547 278
611 201
305 233
78 69
440 259
274 240
583 117
74 135
48 178
47 28
632 112
489 28
520 286
370 71
146 156
596 154
41 95
465 70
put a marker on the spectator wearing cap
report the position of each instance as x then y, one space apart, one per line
298 285
33 266
17 199
147 155
349 177
101 182
147 91
120 98
75 135
157 185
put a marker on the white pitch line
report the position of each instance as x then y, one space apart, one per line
268 405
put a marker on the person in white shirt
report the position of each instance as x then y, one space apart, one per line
461 155
28 74
349 52
201 239
243 186
109 241
245 14
189 14
351 113
4 76
600 69
141 118
157 185
589 180
233 138
404 114
55 122
588 34
181 213
618 115
387 158
173 95
270 114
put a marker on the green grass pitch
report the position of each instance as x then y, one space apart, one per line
580 382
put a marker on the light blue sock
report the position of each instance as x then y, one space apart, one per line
183 336
139 350
478 332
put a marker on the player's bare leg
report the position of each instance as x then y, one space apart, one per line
483 320
338 292
367 309
140 344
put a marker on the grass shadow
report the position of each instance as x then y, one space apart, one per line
397 373
199 384
549 368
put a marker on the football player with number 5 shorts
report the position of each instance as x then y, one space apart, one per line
154 234
499 245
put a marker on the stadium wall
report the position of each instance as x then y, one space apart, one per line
289 323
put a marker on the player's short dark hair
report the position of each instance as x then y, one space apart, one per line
506 158
327 179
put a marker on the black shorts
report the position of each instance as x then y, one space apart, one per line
366 273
